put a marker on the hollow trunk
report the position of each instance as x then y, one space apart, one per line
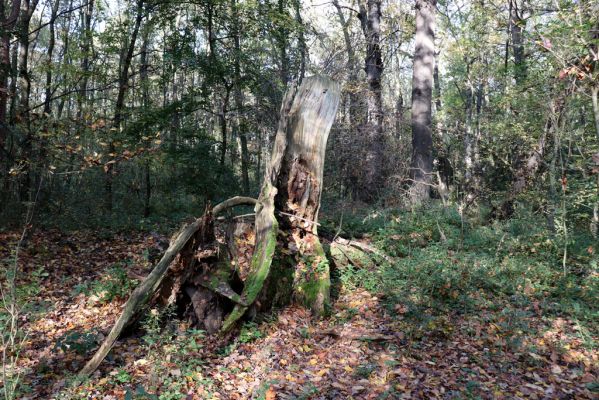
292 188
198 270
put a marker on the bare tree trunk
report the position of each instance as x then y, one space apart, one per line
303 50
370 18
145 103
241 125
399 116
223 124
437 84
517 23
594 95
292 187
7 24
24 88
50 61
85 49
422 83
27 10
281 37
120 99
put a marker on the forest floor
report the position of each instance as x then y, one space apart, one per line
391 333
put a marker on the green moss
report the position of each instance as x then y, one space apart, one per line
260 268
315 294
313 285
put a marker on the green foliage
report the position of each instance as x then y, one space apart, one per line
81 343
249 333
114 284
512 262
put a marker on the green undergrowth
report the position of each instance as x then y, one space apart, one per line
448 265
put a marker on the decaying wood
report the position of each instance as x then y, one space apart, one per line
233 202
292 186
153 286
141 294
200 268
364 247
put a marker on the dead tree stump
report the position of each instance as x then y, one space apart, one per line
199 268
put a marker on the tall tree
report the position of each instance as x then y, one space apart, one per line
422 85
370 20
7 24
123 86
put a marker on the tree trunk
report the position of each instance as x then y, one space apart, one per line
302 48
241 125
370 19
120 100
517 23
7 23
281 37
85 50
292 188
145 103
422 82
195 266
50 62
24 88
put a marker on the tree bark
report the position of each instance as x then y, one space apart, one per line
422 82
145 103
49 65
24 89
86 45
7 24
241 125
517 24
370 18
119 106
292 187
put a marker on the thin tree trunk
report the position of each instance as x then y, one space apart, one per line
437 84
241 124
301 40
50 61
145 103
422 83
85 50
120 100
7 24
281 37
223 125
517 24
595 100
24 88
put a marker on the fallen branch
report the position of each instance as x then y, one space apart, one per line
233 202
152 282
141 294
364 247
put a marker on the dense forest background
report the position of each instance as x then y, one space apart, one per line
115 113
458 217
